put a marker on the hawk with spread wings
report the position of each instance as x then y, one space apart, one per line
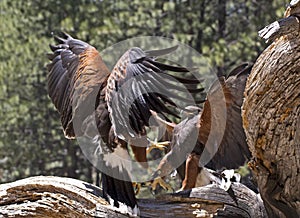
124 99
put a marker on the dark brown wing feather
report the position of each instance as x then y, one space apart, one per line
139 84
75 73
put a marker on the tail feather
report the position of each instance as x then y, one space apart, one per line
120 194
118 190
116 184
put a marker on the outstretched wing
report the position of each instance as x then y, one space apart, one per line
139 84
76 72
233 150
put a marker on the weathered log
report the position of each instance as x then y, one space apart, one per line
53 197
44 196
271 117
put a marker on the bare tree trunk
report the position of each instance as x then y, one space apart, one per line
271 116
45 196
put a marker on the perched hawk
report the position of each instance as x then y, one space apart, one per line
221 141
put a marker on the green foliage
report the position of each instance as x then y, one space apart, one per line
31 139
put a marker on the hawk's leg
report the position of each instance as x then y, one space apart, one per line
191 172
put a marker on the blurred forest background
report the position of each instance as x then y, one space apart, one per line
31 137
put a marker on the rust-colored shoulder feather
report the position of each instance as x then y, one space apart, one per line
225 120
75 73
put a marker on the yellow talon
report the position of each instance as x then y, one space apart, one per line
162 183
157 181
137 186
159 145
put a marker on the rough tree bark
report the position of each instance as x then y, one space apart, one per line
44 196
271 118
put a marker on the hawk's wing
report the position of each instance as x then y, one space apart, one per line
233 150
139 84
75 73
